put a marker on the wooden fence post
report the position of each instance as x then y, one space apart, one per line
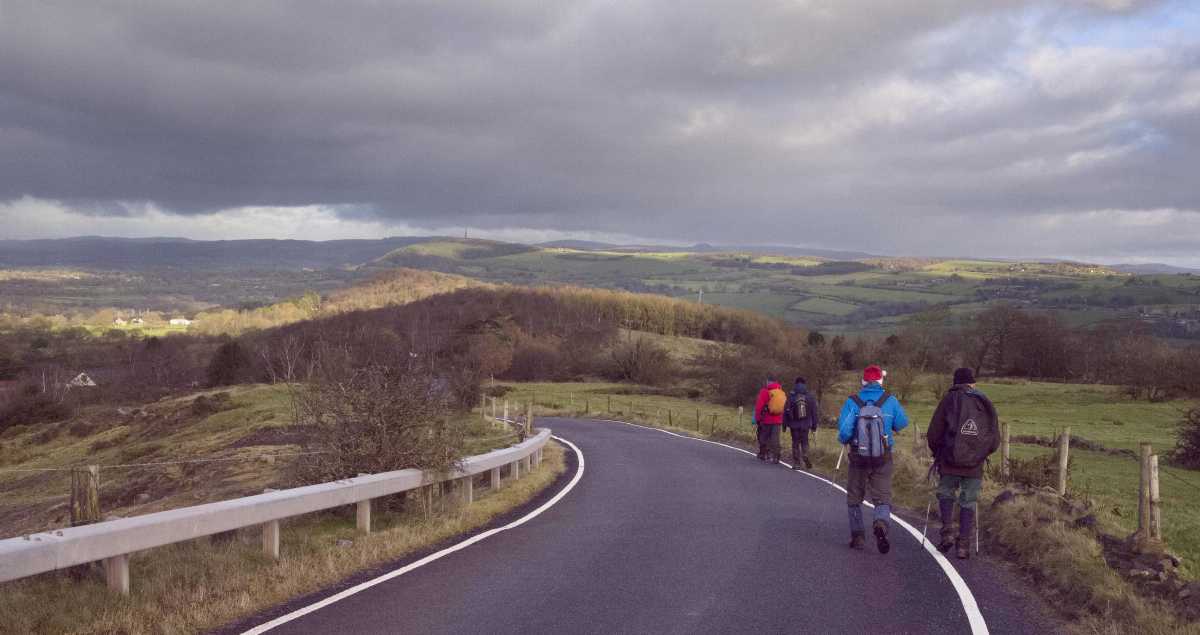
85 495
493 407
1145 531
529 421
609 404
670 417
697 419
1064 449
1155 501
1005 472
713 427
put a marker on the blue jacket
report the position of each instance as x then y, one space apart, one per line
894 417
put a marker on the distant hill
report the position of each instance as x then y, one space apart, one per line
220 255
1151 268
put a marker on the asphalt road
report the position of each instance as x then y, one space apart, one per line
670 535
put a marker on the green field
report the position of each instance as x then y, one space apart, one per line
874 300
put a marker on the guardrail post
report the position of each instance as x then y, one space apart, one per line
516 469
116 573
363 515
270 539
1064 449
506 410
270 534
494 479
467 489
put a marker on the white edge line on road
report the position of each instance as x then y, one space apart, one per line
300 612
970 606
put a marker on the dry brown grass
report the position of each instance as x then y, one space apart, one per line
203 584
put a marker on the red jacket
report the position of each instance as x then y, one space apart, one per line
760 405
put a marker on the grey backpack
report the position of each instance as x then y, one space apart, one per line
869 444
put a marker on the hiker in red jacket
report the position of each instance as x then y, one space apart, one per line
768 416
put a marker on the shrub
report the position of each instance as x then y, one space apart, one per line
536 359
1187 445
28 405
642 361
230 365
377 419
734 374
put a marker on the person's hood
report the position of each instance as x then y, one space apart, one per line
801 387
773 385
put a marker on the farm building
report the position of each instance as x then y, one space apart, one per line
180 321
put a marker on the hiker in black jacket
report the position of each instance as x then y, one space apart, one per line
801 416
963 432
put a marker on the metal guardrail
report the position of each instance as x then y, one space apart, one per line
113 541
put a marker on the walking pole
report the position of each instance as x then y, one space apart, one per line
977 517
925 531
839 461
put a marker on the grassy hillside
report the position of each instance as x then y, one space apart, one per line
855 296
181 451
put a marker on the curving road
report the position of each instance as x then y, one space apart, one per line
665 534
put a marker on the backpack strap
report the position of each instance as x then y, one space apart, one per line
882 399
857 401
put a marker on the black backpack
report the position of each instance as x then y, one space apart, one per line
797 408
970 440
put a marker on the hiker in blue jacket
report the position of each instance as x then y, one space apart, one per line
870 465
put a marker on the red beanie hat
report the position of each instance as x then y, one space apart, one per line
873 373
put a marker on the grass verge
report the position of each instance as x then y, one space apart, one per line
203 584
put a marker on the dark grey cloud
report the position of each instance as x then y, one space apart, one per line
697 121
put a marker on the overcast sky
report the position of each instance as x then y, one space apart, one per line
940 127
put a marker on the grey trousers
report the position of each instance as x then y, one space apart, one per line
876 481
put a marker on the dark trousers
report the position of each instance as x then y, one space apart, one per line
768 441
799 443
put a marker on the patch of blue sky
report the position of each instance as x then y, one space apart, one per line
1154 25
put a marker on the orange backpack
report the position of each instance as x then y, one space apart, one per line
776 401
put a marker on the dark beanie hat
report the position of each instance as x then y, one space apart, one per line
964 376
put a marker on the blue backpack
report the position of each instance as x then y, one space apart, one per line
869 444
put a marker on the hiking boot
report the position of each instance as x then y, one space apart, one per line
857 540
881 541
947 542
807 463
964 548
796 466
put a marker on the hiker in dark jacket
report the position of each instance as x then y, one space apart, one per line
968 413
874 474
801 417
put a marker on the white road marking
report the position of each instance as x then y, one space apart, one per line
300 612
970 606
